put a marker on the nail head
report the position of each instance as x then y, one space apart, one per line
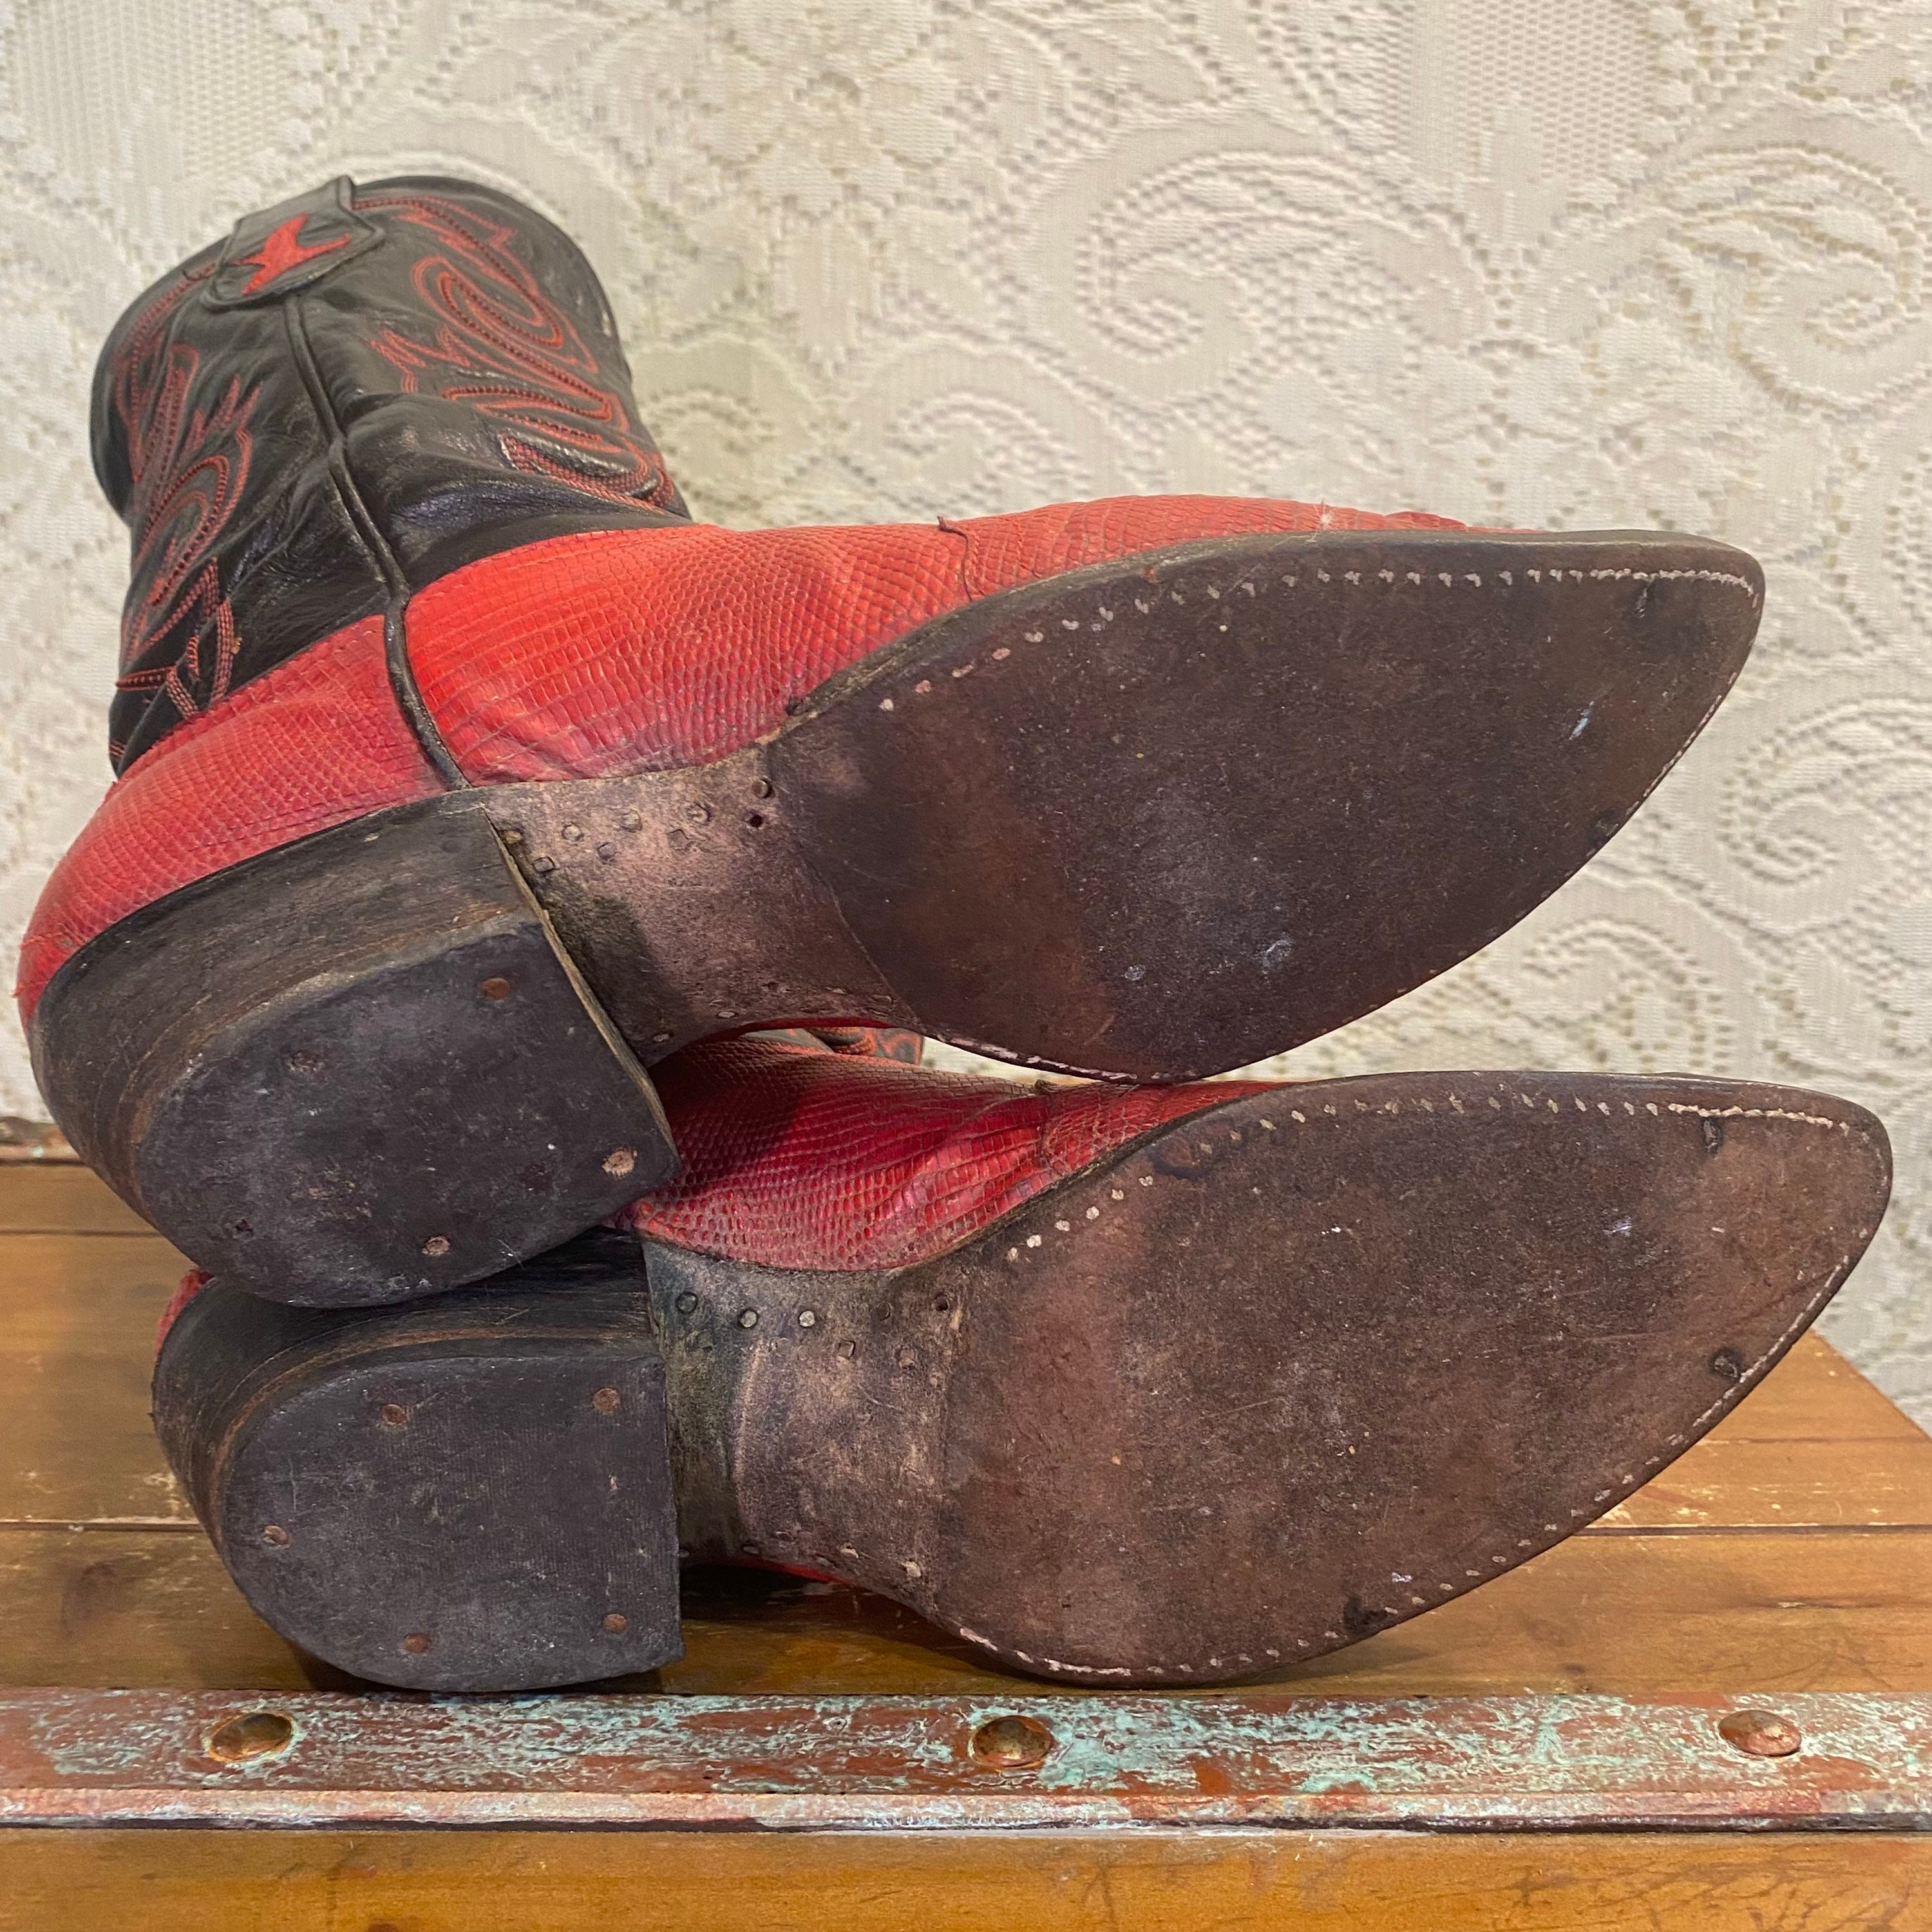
1012 1744
1760 1733
252 1734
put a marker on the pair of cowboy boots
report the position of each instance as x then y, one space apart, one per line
496 853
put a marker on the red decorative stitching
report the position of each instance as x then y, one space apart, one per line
282 251
513 355
189 468
139 365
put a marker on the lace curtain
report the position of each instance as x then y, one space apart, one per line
1582 262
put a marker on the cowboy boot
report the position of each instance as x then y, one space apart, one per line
462 778
1145 1386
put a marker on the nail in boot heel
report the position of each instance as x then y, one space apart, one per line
309 1068
471 1493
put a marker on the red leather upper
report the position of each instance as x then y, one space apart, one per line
314 741
637 650
607 652
190 1285
803 1158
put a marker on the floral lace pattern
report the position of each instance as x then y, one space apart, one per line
1565 262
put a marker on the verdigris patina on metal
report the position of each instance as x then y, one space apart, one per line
141 1757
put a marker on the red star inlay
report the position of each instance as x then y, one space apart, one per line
283 250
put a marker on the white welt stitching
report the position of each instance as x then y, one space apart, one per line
1423 1104
1556 577
1624 1483
1758 1114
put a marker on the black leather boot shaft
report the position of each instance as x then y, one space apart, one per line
359 390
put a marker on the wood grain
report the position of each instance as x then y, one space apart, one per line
1740 1613
75 1349
1815 1394
61 1197
1722 1483
1157 1882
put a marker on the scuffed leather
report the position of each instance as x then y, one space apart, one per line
613 652
314 741
797 1158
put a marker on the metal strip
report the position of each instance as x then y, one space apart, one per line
906 1764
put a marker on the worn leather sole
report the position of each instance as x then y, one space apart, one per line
1147 820
1271 1379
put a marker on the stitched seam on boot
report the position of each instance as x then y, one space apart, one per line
395 626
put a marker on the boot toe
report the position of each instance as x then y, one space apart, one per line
1243 791
1316 1361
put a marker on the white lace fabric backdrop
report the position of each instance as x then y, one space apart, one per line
1580 263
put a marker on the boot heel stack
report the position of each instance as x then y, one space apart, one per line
469 1494
309 1068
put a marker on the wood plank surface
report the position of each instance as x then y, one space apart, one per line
82 1881
1740 1613
62 1198
1790 1551
76 1352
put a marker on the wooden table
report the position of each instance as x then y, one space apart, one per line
1784 1564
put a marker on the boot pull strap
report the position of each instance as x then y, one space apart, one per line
283 250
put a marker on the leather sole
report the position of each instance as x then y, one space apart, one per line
1148 820
1277 1377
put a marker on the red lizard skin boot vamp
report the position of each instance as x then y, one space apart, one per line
795 1158
590 656
463 779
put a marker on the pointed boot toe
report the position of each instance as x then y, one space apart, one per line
1170 814
1299 1369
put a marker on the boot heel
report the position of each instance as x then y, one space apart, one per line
471 1494
359 1069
